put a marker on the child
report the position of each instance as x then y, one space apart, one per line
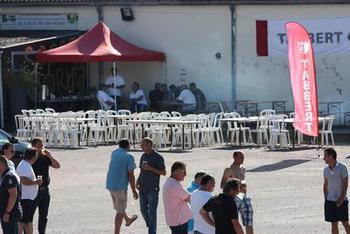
245 208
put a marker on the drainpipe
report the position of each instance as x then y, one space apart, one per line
233 54
99 10
1 95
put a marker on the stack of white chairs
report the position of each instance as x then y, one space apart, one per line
279 134
98 131
262 128
23 132
123 126
182 133
232 127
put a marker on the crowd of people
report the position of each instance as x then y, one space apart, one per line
192 210
189 98
25 189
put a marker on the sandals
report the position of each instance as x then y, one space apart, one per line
133 218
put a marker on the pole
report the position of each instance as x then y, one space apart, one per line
115 88
36 85
1 95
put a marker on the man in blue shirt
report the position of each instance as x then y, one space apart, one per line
120 173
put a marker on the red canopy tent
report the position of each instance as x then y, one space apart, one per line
99 44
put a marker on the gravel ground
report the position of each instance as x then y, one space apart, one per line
285 187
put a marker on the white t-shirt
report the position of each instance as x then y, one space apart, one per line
103 97
187 97
118 80
13 170
137 94
198 200
25 169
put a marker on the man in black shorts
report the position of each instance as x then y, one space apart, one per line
224 210
10 210
334 187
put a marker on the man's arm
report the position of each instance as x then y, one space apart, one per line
132 183
237 226
325 187
147 167
54 163
12 199
27 181
223 179
343 191
206 217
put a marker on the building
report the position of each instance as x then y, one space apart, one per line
213 43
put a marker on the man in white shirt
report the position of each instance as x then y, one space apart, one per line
198 199
30 187
137 99
114 84
189 100
105 100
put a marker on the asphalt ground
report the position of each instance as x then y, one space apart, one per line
285 187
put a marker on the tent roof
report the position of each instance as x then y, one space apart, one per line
99 44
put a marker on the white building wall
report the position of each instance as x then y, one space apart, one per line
190 36
267 78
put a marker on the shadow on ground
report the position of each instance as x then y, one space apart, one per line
280 165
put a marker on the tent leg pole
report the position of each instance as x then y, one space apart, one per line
1 96
115 88
36 86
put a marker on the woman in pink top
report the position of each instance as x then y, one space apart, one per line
176 200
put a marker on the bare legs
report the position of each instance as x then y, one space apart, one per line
335 229
27 227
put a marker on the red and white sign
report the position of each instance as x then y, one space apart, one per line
303 79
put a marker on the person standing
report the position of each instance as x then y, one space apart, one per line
41 168
176 200
196 184
245 208
335 187
120 173
236 170
30 186
115 83
10 209
152 167
198 199
224 210
8 150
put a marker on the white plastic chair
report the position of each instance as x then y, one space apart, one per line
267 112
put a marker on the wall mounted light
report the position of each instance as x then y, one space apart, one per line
127 14
218 55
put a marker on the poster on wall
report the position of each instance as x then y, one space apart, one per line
329 36
39 22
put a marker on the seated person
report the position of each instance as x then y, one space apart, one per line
189 100
200 98
155 97
137 99
168 95
105 100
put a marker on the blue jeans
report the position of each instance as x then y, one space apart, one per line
148 206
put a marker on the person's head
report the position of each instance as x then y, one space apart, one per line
198 177
37 143
135 86
243 187
157 85
8 150
172 87
208 183
124 143
238 157
184 86
3 164
31 155
231 187
178 171
193 86
163 87
330 156
116 71
147 145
